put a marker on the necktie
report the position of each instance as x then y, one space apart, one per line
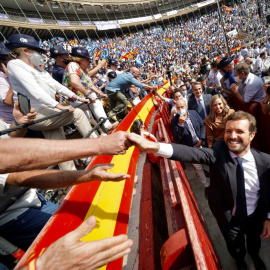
201 110
241 205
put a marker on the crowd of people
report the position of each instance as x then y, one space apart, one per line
87 90
181 44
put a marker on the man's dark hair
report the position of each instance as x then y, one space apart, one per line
177 90
241 115
262 54
200 79
135 128
215 63
196 83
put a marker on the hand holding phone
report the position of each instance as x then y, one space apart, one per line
24 103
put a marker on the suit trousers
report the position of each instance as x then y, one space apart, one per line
200 173
117 101
242 234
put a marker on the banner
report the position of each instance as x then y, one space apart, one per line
106 25
61 22
205 3
36 20
173 12
4 17
86 23
139 61
139 19
104 54
157 16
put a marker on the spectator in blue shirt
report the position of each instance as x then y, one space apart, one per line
114 89
227 66
62 58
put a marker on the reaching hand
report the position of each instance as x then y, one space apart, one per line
266 229
70 252
99 172
85 100
21 118
101 63
154 88
115 144
234 88
4 68
143 144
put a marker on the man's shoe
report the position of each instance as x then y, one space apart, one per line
112 116
111 127
241 265
258 263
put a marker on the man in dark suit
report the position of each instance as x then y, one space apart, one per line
239 192
188 129
199 101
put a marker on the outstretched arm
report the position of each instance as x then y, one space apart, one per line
48 179
143 144
70 252
29 154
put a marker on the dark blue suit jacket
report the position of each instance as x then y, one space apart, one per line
223 187
192 103
182 134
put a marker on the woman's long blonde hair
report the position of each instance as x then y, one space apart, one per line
226 108
76 59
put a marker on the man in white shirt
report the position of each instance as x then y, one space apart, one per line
259 65
239 192
214 77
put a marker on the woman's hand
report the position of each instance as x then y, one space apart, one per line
21 118
62 108
85 100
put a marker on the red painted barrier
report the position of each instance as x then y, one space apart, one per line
183 214
147 250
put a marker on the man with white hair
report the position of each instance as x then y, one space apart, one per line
249 87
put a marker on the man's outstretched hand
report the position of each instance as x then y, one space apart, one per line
70 252
143 144
99 172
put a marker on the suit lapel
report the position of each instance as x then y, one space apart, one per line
206 104
195 105
260 164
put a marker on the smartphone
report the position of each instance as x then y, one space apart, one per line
24 103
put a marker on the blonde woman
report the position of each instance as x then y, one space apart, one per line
215 121
77 79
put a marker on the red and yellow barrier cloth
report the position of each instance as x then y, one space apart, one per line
109 202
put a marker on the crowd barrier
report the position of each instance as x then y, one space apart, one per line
189 242
109 202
